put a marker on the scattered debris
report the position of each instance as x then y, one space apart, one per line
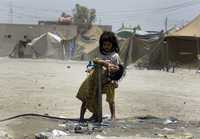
177 136
163 128
50 135
58 133
5 135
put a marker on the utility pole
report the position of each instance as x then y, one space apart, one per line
10 12
167 48
198 54
99 21
166 24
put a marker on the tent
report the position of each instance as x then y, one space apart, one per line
47 45
156 57
134 48
184 44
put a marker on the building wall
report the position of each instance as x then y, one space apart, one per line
10 34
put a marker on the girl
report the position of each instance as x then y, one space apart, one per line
112 71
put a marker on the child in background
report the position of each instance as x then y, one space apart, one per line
112 71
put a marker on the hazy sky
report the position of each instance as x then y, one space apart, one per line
150 14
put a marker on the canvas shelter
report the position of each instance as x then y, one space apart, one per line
47 45
184 44
156 57
134 48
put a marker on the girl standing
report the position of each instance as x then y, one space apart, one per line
112 71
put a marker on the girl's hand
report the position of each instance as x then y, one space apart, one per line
115 84
112 68
107 63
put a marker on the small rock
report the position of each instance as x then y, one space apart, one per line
168 129
62 125
68 67
100 137
58 133
42 87
39 105
43 135
80 129
170 120
5 135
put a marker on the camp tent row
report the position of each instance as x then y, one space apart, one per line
180 46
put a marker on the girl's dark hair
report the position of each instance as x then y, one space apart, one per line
108 36
118 74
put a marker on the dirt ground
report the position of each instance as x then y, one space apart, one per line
47 86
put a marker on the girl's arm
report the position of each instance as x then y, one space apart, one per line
107 64
101 62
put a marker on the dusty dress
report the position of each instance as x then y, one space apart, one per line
87 90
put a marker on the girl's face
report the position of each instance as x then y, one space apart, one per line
107 46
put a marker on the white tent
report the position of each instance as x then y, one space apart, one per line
48 45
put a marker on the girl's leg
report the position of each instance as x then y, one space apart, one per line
93 117
82 111
112 110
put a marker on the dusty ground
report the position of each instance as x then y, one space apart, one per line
50 86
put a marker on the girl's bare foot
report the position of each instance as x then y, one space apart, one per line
93 118
81 120
113 118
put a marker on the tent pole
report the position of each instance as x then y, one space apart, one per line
198 55
63 46
167 51
127 60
